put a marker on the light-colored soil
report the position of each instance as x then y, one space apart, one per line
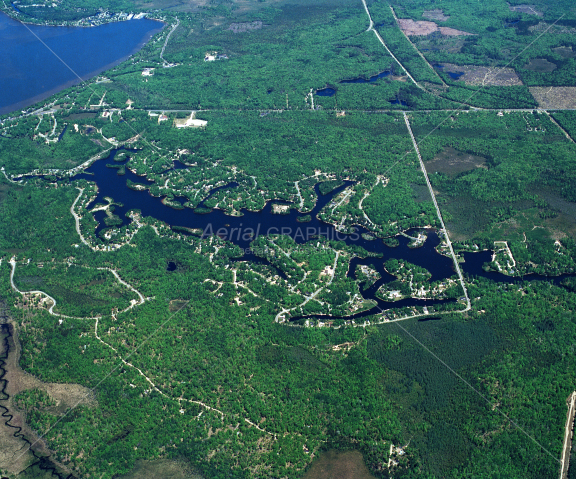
476 75
452 32
555 97
423 28
436 14
529 9
412 28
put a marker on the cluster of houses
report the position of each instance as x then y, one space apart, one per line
213 56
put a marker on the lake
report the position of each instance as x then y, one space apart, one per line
31 73
265 222
113 185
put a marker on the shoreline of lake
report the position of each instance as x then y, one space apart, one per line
33 73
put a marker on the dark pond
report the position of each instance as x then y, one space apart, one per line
326 92
241 230
171 266
455 75
398 102
329 91
62 134
31 73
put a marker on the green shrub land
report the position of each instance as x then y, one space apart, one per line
200 363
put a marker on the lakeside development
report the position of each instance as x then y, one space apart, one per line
284 237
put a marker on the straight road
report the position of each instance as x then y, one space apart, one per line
447 238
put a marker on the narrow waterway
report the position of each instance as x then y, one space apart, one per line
41 464
242 230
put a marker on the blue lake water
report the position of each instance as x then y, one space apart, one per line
455 75
31 73
326 92
264 222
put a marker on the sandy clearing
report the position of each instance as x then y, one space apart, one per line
424 27
561 97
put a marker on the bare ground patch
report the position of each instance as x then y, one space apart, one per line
555 96
339 465
436 14
451 162
423 28
452 32
477 75
529 9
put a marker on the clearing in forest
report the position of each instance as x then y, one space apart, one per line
555 96
436 14
541 65
485 76
339 465
423 27
451 162
529 9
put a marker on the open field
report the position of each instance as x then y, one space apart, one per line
555 97
478 75
453 162
528 9
339 465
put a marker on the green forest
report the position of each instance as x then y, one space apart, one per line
188 343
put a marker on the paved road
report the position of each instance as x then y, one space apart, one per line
372 29
448 242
